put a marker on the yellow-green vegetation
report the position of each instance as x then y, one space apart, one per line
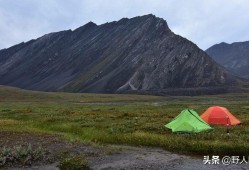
75 163
124 119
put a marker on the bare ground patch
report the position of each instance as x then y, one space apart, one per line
101 157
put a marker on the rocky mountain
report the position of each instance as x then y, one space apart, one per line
235 57
140 54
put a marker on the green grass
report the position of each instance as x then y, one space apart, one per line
75 163
124 119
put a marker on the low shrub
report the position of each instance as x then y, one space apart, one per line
20 155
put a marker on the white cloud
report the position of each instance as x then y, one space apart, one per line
203 22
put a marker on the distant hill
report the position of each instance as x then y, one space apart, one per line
234 57
137 55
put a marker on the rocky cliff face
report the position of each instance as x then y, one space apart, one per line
235 57
137 54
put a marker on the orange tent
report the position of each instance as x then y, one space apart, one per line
219 115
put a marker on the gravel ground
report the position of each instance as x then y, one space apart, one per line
153 159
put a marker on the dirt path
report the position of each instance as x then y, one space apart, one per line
118 157
154 159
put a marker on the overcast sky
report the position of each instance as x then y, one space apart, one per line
204 22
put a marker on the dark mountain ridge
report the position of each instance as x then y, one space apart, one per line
140 54
235 57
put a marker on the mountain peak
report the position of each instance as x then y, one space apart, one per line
90 24
86 26
155 22
148 16
136 54
234 57
223 43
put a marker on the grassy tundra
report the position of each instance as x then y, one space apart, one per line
124 119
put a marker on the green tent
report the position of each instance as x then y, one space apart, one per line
188 121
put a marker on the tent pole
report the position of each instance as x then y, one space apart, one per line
227 125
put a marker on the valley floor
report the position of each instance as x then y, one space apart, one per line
116 131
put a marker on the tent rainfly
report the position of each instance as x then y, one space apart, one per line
219 115
188 121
